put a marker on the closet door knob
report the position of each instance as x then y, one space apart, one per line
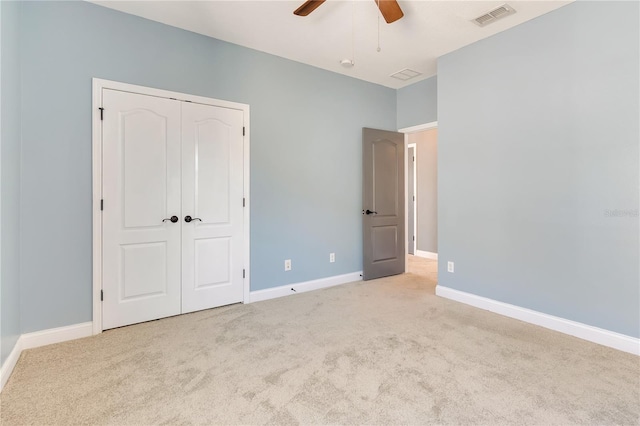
189 219
173 219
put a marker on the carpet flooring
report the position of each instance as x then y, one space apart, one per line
386 351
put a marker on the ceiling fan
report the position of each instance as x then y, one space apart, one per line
390 9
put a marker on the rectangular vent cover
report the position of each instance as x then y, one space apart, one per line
405 74
494 15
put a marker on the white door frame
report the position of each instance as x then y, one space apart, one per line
407 131
415 194
98 85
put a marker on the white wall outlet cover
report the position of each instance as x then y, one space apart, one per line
450 266
287 265
332 257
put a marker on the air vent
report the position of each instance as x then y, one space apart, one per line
494 15
406 74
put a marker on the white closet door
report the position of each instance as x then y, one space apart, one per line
141 188
212 194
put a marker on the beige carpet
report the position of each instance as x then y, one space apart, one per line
378 352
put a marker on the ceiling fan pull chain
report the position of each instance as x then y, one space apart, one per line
378 49
353 31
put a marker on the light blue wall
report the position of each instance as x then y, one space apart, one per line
418 103
538 143
305 147
10 178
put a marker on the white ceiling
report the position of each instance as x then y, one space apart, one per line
428 30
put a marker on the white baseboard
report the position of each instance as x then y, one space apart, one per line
56 335
285 290
427 254
583 331
9 364
42 338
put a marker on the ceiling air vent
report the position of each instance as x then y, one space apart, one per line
494 15
405 74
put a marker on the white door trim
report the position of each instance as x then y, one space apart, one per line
415 195
407 131
419 127
98 86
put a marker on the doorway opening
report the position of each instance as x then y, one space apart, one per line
421 197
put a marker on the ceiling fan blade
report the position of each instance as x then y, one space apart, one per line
390 9
308 7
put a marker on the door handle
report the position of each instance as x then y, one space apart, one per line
173 219
370 212
189 219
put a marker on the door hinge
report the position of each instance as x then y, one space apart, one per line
101 113
414 159
244 203
101 205
101 295
414 238
242 130
243 273
414 198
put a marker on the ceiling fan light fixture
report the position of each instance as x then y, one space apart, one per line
347 63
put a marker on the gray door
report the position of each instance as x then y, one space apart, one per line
411 202
382 203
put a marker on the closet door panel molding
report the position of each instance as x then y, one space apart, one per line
212 185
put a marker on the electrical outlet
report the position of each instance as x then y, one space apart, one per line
450 267
287 265
332 257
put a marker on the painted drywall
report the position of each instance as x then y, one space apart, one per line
417 103
538 165
426 188
305 147
9 178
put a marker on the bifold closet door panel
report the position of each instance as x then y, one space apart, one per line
142 192
212 196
